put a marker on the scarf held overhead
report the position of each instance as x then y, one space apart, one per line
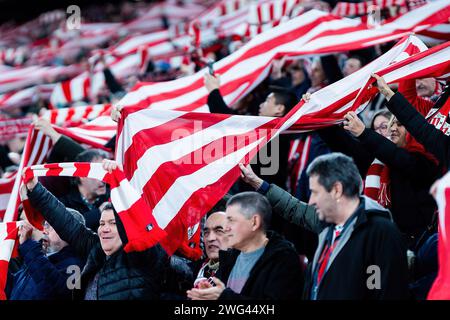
141 229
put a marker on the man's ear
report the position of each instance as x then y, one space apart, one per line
338 190
256 222
280 109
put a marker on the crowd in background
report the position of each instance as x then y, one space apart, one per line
280 230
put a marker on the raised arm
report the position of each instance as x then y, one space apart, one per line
68 228
290 208
431 138
215 101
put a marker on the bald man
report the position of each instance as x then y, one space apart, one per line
215 240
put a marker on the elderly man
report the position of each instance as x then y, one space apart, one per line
215 240
260 264
360 253
44 273
110 273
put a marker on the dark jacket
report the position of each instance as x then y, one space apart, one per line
122 276
434 140
370 240
42 277
276 275
411 176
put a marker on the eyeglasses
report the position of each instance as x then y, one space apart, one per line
382 127
46 225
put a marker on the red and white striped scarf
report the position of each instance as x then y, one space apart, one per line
376 184
95 133
347 9
142 231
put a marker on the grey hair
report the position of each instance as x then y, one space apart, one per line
336 167
252 203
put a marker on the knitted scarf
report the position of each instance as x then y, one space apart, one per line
140 230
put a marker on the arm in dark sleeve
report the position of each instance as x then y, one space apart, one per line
65 150
113 85
396 158
431 138
216 103
65 225
390 258
293 210
339 140
50 279
331 68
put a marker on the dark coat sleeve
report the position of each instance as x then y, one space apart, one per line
294 210
111 82
390 259
65 150
431 138
216 103
68 228
399 159
50 280
338 140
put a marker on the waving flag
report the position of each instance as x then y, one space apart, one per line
441 286
314 32
347 9
8 235
6 187
62 117
184 162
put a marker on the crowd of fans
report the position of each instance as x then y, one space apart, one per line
313 235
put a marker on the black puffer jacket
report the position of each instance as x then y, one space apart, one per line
122 276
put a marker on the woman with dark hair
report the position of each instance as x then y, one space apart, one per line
380 122
435 141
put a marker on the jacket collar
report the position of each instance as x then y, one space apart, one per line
366 207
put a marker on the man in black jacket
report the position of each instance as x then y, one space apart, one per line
110 273
261 264
360 254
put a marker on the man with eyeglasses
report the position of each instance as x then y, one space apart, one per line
215 240
43 275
